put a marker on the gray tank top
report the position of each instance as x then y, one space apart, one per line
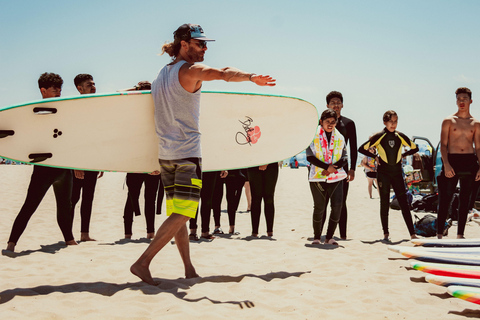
177 114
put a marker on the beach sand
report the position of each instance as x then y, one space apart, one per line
279 278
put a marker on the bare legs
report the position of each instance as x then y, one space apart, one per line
173 226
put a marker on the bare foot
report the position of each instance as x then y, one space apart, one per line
331 241
84 236
71 243
150 235
270 234
414 236
128 236
143 273
11 246
191 273
439 236
316 241
459 236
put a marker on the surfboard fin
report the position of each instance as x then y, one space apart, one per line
6 133
39 157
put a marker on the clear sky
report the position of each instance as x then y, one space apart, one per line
409 56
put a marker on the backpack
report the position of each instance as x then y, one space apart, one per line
396 206
427 226
428 203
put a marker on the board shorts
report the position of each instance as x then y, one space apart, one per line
182 180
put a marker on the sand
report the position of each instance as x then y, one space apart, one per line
282 278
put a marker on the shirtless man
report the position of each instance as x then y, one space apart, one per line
460 148
176 95
84 181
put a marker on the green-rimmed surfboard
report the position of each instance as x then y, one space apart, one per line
116 132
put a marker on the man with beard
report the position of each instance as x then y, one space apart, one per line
176 95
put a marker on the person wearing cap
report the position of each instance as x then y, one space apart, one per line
176 95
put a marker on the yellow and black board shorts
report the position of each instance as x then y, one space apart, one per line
182 179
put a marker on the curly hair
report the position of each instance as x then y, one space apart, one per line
48 80
464 90
80 78
334 94
387 116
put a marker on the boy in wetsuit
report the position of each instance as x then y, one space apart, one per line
389 171
460 132
50 85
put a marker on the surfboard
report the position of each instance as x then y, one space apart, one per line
116 131
452 281
468 259
471 294
446 242
451 250
448 270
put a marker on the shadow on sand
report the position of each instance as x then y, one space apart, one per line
175 287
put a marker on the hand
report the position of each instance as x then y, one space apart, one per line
263 168
351 175
263 80
332 169
377 160
154 173
223 174
325 173
477 177
79 174
449 172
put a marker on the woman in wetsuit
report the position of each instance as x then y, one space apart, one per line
389 144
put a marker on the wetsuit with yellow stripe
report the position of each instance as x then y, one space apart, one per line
389 148
389 171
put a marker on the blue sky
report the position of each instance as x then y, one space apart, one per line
409 56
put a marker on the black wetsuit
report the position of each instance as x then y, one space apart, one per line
347 128
153 195
41 180
262 187
390 173
323 192
465 167
86 187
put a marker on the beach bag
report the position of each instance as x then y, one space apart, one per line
427 226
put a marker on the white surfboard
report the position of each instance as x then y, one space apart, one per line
116 132
446 242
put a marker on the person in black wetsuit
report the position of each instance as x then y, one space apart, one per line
327 155
153 192
50 85
389 144
347 128
263 180
460 149
84 182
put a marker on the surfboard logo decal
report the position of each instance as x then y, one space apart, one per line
249 135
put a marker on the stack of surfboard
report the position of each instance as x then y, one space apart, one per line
452 263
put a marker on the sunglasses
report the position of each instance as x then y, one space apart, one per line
201 44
